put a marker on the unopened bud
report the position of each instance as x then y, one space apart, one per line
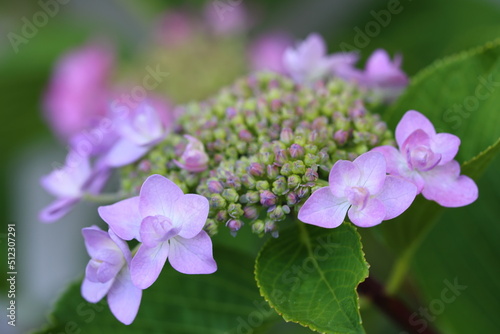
258 227
267 198
234 210
251 212
262 185
286 170
217 202
215 187
298 167
256 169
296 151
293 181
248 181
280 186
234 225
286 135
230 195
253 197
222 216
310 175
272 171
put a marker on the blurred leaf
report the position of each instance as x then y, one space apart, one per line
310 274
224 302
469 76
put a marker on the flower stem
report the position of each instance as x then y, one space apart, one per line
105 198
392 307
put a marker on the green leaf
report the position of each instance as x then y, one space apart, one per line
460 95
222 303
309 275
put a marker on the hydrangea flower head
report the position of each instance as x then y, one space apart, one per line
107 273
169 224
362 190
309 62
426 159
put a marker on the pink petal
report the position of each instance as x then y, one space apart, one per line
125 152
192 256
394 159
343 174
447 187
191 213
158 196
157 229
445 144
68 180
124 298
98 243
57 209
147 264
123 218
418 152
413 120
373 169
372 214
94 291
397 196
323 209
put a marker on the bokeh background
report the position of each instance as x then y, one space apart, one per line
50 256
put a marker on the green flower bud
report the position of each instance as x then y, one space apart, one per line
231 195
262 185
298 167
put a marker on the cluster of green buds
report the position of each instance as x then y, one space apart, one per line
266 145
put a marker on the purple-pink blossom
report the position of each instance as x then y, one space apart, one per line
309 61
78 93
138 130
266 52
226 17
382 76
360 189
108 273
70 183
426 159
194 158
169 224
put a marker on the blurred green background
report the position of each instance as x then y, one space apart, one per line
423 31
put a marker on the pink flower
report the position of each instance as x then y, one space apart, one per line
309 62
266 53
69 184
107 273
226 17
78 92
362 190
138 131
194 158
426 159
169 224
381 75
